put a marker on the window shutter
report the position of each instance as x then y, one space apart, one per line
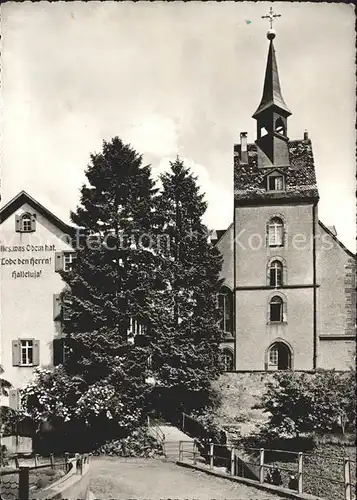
56 306
267 234
59 261
33 222
15 353
58 351
285 234
17 224
285 316
36 352
14 399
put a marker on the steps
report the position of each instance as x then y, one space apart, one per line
173 436
171 450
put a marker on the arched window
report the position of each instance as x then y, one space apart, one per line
276 273
227 360
279 356
276 232
225 304
26 223
276 309
263 132
279 126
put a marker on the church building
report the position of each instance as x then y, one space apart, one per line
289 299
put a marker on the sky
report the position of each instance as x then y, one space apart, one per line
172 78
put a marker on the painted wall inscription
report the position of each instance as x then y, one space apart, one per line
35 263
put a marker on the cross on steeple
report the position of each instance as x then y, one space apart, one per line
271 16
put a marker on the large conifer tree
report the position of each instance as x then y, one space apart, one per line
186 347
110 284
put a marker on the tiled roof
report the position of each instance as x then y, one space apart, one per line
19 200
217 235
300 178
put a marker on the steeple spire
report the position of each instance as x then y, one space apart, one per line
272 112
272 91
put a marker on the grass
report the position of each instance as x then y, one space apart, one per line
323 465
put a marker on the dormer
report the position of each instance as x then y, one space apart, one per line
275 181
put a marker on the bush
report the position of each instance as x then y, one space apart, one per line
209 423
57 398
301 403
138 444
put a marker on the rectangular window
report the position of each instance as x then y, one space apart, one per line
273 356
68 259
275 277
275 235
25 223
26 352
276 183
136 328
276 312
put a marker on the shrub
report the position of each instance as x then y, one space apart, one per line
42 482
300 403
138 444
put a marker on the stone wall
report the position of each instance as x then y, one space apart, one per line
240 393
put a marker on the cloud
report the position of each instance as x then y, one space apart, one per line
153 134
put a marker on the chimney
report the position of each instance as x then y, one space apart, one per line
306 135
243 148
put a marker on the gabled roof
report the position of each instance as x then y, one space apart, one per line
334 237
300 178
280 171
219 234
24 198
272 92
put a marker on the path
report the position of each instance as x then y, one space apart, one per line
173 436
152 479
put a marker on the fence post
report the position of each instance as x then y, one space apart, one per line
183 421
66 460
233 454
300 467
180 451
211 455
24 483
52 461
194 452
16 458
347 479
261 465
36 460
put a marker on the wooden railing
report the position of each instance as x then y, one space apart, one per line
267 473
156 430
22 481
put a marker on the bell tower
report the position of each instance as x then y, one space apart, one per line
275 204
272 114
